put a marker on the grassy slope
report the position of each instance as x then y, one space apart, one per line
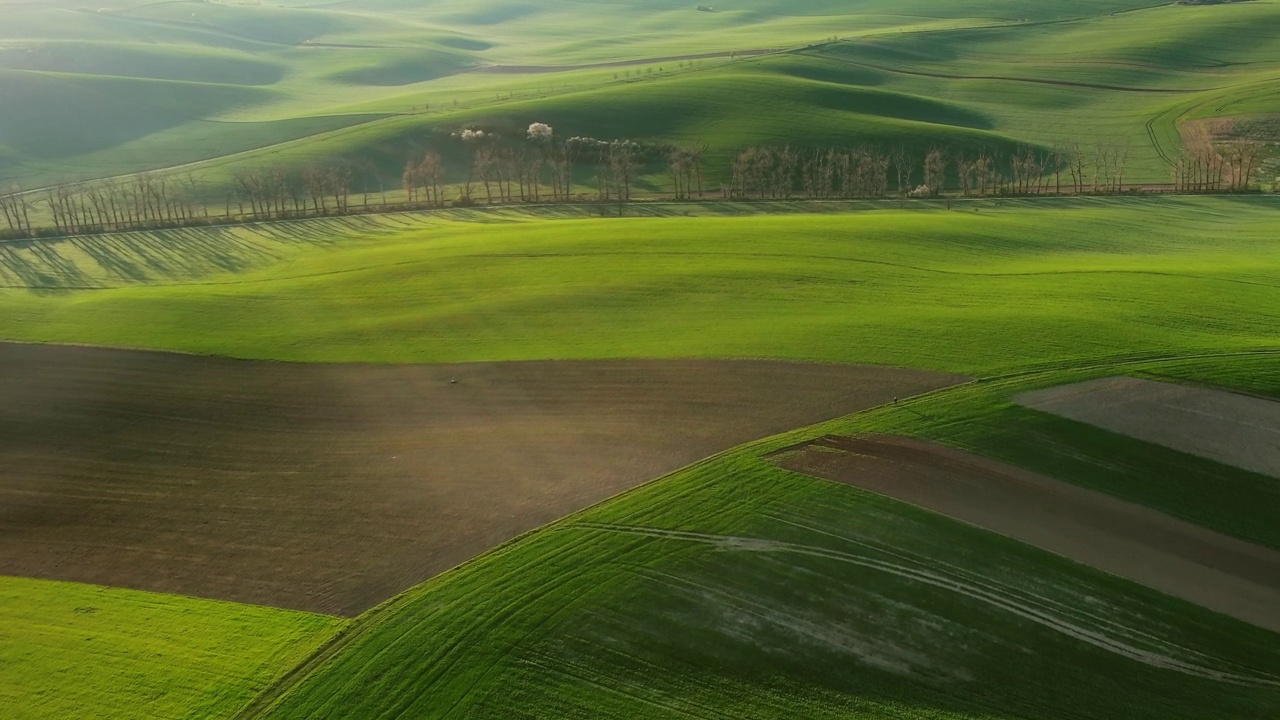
1260 377
989 287
1214 60
69 650
46 119
772 649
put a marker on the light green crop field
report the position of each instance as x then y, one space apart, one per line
735 588
986 287
70 650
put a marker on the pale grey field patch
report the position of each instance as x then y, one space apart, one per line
1238 430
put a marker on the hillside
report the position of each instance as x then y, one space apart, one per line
954 77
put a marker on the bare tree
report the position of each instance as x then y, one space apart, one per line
624 163
900 156
338 181
15 208
315 182
563 156
935 170
485 166
1244 159
1121 156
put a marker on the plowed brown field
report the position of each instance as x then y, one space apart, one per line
332 487
1222 573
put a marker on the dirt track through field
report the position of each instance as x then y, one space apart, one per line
533 69
1234 429
1101 632
1184 560
332 487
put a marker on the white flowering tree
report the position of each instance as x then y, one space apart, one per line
540 132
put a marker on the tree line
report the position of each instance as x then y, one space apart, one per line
150 201
534 165
766 172
1208 166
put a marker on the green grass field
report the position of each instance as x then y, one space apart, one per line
985 288
69 650
732 588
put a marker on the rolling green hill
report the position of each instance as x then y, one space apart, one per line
869 287
47 118
734 587
71 649
957 75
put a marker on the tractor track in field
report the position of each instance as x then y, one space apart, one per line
1110 636
1011 78
538 69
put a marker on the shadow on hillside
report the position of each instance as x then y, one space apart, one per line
102 261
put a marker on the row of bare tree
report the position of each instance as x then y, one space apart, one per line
152 200
273 194
520 169
423 179
538 167
870 171
1207 165
768 172
145 200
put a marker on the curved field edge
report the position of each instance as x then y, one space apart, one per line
783 584
67 649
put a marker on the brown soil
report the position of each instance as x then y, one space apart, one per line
1234 429
332 487
1221 573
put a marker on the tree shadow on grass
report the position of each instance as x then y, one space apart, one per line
27 265
103 261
